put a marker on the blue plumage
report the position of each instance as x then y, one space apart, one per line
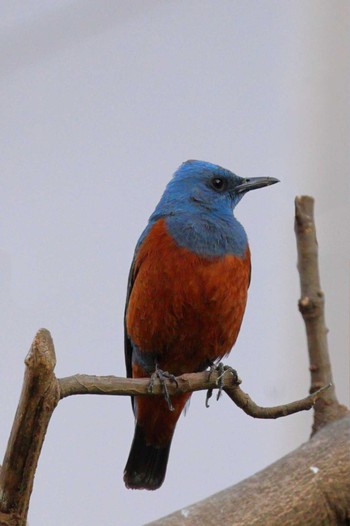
197 213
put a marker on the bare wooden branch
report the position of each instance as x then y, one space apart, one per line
10 519
38 399
113 385
308 487
311 306
42 390
243 400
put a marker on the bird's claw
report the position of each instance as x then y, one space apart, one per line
221 370
162 376
208 395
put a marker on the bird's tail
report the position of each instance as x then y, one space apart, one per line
146 465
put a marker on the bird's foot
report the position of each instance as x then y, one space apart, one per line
162 376
221 370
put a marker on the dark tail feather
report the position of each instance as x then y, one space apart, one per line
146 465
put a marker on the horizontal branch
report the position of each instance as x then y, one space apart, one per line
113 385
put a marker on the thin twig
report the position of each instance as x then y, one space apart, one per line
243 400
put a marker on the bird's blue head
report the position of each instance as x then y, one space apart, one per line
198 206
199 186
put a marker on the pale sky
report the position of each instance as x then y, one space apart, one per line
101 101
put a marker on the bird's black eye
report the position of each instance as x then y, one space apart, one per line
218 183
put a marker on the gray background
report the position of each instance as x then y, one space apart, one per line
100 102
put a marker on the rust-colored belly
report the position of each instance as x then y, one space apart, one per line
185 308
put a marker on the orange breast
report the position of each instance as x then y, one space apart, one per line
185 308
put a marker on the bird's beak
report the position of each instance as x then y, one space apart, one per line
255 182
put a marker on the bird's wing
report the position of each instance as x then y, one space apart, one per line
131 280
127 341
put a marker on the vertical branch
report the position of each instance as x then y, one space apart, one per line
39 397
311 306
311 303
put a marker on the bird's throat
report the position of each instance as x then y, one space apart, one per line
212 236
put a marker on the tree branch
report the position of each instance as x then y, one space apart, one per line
311 306
243 400
38 399
42 390
113 385
308 487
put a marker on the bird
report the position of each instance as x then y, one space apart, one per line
186 297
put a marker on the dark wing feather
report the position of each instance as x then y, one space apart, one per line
127 341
